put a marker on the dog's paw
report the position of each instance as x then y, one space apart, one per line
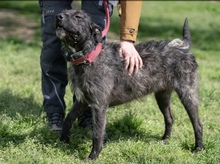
165 137
198 149
65 138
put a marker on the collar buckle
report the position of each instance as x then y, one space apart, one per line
77 55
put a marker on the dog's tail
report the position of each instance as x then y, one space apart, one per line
186 33
186 42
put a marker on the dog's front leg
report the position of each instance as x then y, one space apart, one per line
99 122
75 112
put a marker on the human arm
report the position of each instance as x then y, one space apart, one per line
130 16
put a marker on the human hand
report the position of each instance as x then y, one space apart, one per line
133 61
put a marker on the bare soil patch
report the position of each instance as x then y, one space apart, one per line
12 24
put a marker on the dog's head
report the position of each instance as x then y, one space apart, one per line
75 28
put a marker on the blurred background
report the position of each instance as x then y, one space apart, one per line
159 19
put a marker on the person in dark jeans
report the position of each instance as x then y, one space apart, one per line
54 66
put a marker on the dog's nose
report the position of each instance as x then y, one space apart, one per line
60 16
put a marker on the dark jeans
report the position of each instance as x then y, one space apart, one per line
52 62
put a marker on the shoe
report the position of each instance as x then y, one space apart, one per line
55 121
85 120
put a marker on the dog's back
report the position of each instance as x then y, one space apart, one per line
167 64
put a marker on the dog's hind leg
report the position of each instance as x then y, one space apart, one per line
163 101
99 122
77 109
189 98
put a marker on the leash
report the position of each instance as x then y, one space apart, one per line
104 32
94 53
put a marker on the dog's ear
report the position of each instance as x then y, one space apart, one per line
96 32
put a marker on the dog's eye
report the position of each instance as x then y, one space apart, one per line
78 16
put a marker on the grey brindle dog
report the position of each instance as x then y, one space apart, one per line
168 66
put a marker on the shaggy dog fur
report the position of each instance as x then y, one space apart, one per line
168 66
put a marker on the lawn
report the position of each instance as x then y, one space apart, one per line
135 128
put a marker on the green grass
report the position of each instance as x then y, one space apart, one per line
135 128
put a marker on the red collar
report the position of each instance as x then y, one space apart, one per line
89 57
94 53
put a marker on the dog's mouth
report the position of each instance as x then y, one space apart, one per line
61 32
64 33
58 27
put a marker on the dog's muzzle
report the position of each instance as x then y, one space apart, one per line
58 21
60 31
